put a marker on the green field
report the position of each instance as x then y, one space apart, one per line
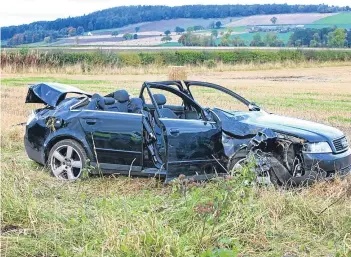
320 26
170 44
235 29
247 37
338 19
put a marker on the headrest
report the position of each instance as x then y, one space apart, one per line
102 101
160 99
96 96
135 105
121 96
109 100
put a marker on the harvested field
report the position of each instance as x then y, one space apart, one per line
164 25
121 216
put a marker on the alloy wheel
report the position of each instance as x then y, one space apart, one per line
66 163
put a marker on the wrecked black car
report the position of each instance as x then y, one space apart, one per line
152 136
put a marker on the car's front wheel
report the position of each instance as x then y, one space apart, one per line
67 159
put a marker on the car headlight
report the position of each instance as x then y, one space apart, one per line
30 117
320 147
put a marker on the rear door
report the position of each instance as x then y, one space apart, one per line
116 138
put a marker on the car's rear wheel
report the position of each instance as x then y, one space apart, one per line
67 159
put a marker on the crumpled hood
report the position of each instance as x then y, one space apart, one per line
50 93
249 123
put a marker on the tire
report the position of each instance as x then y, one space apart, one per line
67 159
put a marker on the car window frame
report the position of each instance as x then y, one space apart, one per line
185 97
217 87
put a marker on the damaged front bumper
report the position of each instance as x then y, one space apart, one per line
333 164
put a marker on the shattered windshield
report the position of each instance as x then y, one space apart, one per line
213 98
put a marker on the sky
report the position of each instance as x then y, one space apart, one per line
18 12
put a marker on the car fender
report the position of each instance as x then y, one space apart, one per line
67 133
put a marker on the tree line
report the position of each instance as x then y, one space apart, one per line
309 37
125 15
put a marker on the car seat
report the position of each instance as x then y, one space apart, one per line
164 111
135 105
122 100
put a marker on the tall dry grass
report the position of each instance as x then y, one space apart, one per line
120 216
157 69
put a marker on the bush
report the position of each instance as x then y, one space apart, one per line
210 64
23 58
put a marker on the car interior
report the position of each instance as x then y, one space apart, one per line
120 101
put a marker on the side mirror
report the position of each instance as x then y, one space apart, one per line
254 107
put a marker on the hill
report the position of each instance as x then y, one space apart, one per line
164 25
126 15
293 18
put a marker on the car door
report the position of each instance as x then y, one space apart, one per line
115 137
190 145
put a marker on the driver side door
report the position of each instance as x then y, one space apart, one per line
191 146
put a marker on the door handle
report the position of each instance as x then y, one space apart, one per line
174 131
90 121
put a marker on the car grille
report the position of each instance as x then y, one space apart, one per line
340 144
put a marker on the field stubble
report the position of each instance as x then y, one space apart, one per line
118 216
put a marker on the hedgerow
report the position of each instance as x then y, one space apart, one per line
40 59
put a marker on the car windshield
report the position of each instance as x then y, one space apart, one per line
213 98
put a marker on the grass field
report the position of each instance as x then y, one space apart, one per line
341 18
247 37
121 216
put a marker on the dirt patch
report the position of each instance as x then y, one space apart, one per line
286 78
9 227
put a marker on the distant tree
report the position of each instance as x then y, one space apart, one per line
179 30
214 33
127 36
198 27
72 31
167 32
47 40
135 36
316 37
225 40
230 30
166 39
137 29
212 25
76 40
218 24
189 39
313 43
80 30
257 40
298 43
237 41
270 39
63 32
190 29
337 38
274 19
90 26
115 33
348 38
